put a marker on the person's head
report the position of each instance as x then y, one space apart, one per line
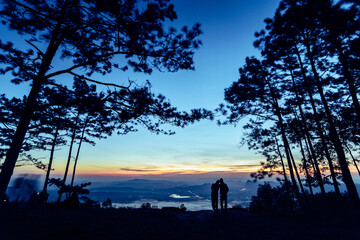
217 181
221 180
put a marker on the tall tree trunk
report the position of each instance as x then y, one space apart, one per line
334 135
296 172
287 183
285 141
320 131
69 156
292 176
325 145
306 167
50 160
78 151
29 109
349 80
306 130
307 175
309 153
282 162
353 158
18 138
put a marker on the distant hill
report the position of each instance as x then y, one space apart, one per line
136 189
160 190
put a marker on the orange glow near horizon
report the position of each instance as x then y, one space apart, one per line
162 171
136 171
175 170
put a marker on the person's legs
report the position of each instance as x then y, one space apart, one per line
222 203
225 200
216 202
213 203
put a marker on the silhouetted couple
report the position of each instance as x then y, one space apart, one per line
219 184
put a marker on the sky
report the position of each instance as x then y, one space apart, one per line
203 149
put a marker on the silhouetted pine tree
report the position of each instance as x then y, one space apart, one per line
88 34
256 94
10 110
311 54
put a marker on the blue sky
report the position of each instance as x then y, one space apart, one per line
202 148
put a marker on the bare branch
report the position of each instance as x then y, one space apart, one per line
95 81
31 9
86 63
33 45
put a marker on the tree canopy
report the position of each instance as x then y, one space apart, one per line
87 39
302 95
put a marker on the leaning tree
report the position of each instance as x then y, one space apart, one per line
93 38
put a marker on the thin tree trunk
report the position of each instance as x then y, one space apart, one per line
69 156
18 138
309 153
320 132
324 144
282 162
307 134
292 176
296 172
29 109
50 160
287 183
335 137
307 175
350 81
286 143
353 158
306 167
78 151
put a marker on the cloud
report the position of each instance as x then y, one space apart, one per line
240 167
178 196
138 170
195 168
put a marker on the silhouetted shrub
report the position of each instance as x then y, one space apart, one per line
89 203
182 208
107 203
330 204
146 205
272 199
238 207
71 192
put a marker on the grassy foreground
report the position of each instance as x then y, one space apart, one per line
24 222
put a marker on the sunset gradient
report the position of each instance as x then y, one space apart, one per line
203 149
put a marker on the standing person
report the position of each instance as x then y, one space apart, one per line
215 195
223 194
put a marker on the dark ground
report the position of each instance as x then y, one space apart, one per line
20 222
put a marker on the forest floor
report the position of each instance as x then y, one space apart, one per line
52 223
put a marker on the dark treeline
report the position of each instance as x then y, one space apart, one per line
85 41
300 98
